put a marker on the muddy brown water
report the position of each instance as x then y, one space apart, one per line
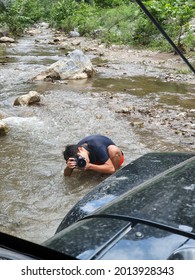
35 196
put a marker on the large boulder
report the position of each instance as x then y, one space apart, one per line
75 65
28 99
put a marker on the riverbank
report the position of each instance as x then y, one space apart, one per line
166 66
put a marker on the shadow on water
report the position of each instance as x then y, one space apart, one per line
35 196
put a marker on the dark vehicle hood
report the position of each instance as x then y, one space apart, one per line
127 178
164 207
168 198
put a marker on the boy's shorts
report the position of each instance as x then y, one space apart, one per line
122 159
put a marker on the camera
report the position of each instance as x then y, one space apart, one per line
80 161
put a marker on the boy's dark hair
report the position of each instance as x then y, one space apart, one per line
70 151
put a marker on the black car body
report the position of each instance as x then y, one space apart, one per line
137 172
144 211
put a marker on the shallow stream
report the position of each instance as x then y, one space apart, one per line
35 196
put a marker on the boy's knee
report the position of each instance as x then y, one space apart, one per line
113 151
116 156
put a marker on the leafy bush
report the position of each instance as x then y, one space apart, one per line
68 15
173 16
20 14
2 7
61 13
110 3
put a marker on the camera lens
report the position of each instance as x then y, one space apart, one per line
81 162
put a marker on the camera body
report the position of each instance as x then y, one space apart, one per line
80 161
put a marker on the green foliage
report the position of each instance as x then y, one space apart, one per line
61 13
68 14
20 14
172 15
189 41
110 3
120 21
87 19
118 24
2 7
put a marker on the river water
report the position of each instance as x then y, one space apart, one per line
35 196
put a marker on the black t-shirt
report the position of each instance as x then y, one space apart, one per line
97 146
